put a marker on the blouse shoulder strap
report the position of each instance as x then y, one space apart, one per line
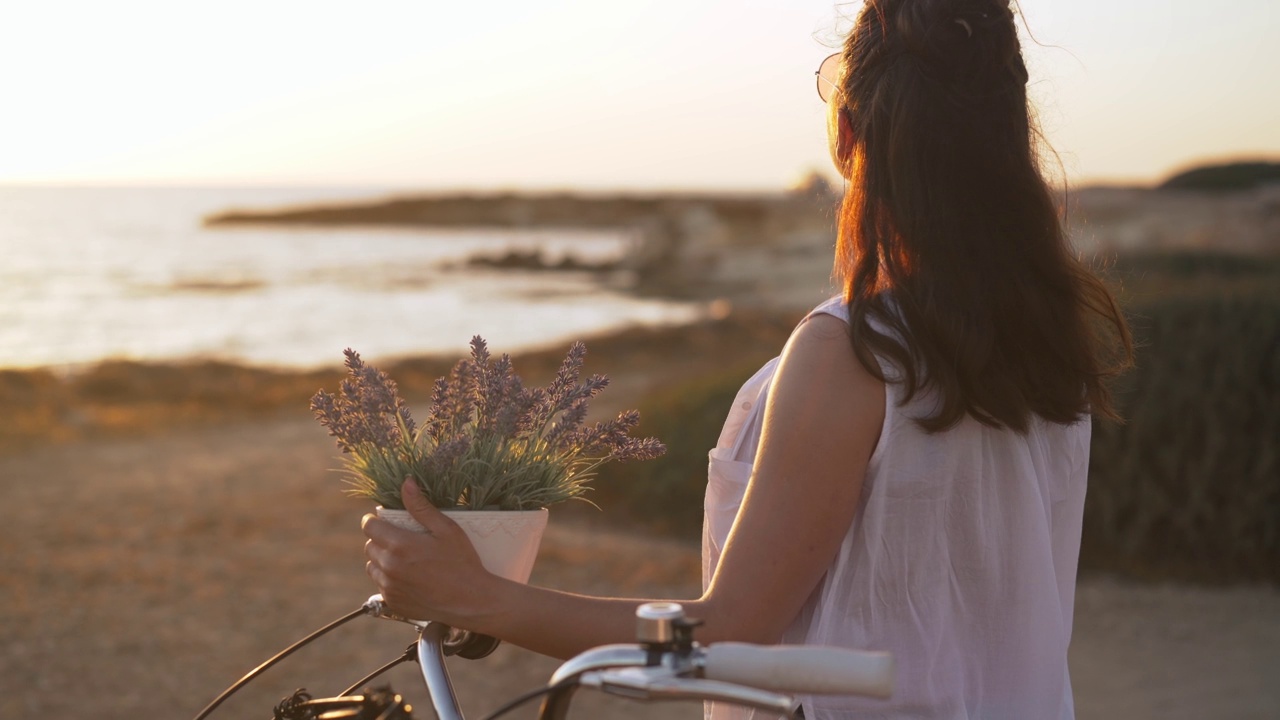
834 306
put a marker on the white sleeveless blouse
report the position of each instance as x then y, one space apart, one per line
961 560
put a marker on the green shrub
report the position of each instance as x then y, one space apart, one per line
1189 486
1184 267
1226 177
665 495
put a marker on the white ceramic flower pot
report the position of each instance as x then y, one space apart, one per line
506 540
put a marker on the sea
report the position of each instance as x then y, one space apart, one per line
91 274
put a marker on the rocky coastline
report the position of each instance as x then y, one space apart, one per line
764 250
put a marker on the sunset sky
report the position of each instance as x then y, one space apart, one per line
571 93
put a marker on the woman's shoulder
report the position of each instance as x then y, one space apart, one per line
821 340
821 384
824 330
834 306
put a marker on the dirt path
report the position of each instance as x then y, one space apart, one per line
138 578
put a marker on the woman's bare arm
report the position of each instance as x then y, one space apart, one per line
821 424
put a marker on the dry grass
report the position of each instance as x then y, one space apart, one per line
121 399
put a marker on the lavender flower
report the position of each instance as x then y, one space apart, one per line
367 409
487 440
454 401
558 392
568 424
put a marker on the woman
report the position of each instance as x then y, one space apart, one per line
909 475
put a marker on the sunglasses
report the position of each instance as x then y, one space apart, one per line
828 73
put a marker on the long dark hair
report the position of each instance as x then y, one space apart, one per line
955 264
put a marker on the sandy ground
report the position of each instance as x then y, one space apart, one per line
140 577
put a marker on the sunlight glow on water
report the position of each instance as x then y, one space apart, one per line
90 274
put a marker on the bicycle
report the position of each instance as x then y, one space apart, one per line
665 663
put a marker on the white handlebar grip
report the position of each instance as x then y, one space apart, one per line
802 669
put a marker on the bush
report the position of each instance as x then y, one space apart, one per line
1189 486
1225 178
1187 489
665 495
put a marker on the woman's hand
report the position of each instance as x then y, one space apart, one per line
435 575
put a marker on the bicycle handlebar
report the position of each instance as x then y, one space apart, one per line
801 669
657 683
665 664
668 665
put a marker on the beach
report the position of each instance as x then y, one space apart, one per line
168 523
146 569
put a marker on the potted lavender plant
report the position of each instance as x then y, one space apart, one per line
491 453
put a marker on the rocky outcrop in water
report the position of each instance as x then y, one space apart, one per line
766 249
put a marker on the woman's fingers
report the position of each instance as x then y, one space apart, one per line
377 529
397 551
372 551
374 565
375 573
423 511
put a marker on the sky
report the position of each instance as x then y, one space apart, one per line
572 94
